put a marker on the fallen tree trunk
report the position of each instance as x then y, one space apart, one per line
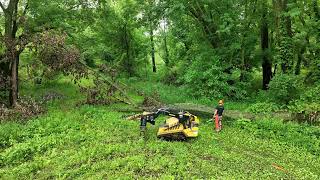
206 112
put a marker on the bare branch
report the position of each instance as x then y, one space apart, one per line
26 8
2 7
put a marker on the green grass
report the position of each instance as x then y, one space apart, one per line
95 142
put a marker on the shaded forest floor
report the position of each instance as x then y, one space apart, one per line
79 142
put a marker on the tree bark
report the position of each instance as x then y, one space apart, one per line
316 9
243 65
300 59
11 54
287 19
14 82
128 64
166 50
266 63
197 11
153 57
317 16
286 38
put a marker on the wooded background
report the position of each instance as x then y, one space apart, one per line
215 48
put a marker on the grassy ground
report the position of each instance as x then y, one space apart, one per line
95 142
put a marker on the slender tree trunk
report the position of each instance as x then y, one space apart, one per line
154 67
14 82
266 63
128 64
243 65
300 59
275 69
316 10
166 50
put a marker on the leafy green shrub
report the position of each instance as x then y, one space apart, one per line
171 76
263 107
284 88
291 134
313 75
206 78
245 124
307 107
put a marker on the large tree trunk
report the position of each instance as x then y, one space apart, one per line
266 63
4 75
286 42
12 55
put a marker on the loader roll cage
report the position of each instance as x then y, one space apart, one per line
149 117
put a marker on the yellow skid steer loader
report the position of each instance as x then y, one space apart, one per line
180 125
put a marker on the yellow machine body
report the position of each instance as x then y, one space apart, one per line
172 128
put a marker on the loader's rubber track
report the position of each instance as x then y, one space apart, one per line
173 137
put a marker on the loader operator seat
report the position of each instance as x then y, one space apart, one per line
149 117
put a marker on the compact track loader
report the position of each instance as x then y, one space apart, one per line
180 125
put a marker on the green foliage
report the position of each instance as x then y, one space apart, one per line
285 48
307 107
92 142
291 134
284 88
263 107
205 78
95 142
314 72
171 76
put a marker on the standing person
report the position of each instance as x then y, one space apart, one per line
218 115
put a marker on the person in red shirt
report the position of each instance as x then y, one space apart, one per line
218 116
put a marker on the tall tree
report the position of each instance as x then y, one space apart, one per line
13 46
152 20
285 46
22 20
266 62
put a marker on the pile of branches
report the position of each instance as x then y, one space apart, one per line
51 95
26 108
106 89
100 94
153 101
312 117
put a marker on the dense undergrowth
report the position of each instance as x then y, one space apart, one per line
80 142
